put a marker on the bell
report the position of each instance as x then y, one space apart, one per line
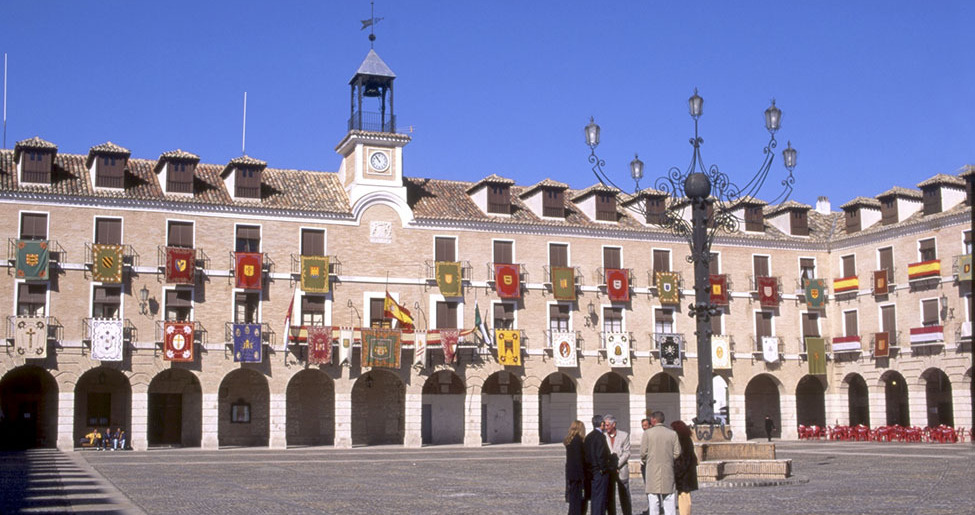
372 90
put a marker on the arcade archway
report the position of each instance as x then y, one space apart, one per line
442 409
811 402
761 400
244 403
858 400
102 399
175 409
378 409
557 407
501 408
937 389
895 396
310 408
29 403
611 395
663 394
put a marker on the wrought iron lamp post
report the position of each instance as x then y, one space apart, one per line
703 189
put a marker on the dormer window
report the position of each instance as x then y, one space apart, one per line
932 200
179 177
655 210
36 167
852 220
499 199
799 223
247 183
553 204
605 207
754 221
888 211
109 172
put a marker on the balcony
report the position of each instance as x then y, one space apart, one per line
373 122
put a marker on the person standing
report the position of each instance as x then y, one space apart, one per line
769 426
619 477
597 457
575 468
659 448
685 468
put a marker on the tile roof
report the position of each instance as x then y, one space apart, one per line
544 183
179 154
246 160
785 206
943 179
375 66
898 191
862 202
108 148
967 171
35 143
595 188
491 179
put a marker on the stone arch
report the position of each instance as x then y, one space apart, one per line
175 409
761 399
378 408
244 409
858 399
102 398
442 408
896 398
557 401
29 403
501 408
937 391
382 198
663 394
611 394
811 401
310 408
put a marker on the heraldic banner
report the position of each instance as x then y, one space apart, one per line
720 353
564 348
770 349
448 339
618 350
618 284
880 284
248 346
30 337
668 287
314 274
670 346
449 279
380 348
248 270
768 292
178 341
965 267
180 265
881 345
816 355
420 349
106 339
346 335
32 260
719 289
507 280
815 292
509 346
106 263
319 345
564 283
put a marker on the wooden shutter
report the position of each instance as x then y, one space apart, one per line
558 254
714 266
179 298
312 242
763 323
929 312
661 260
850 322
611 257
33 226
888 321
248 238
760 266
927 249
108 231
886 256
180 234
503 252
849 266
810 324
444 248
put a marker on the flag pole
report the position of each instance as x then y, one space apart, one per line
4 100
243 137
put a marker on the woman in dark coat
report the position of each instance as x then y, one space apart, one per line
575 468
685 468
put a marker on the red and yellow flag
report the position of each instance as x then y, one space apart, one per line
846 284
924 269
391 309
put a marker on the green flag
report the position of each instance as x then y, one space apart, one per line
106 263
564 283
815 292
816 355
314 274
668 287
449 278
32 260
965 268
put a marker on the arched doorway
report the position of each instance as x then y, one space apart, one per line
611 395
895 395
557 407
937 390
245 416
378 409
442 409
175 409
501 408
719 385
310 408
663 394
102 399
761 400
858 399
810 402
29 403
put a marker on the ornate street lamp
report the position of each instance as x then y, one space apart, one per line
704 188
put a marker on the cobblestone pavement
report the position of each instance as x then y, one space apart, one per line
843 477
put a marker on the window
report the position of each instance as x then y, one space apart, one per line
807 268
885 257
663 320
31 299
605 207
850 327
810 324
106 302
499 199
888 322
38 168
799 223
967 242
763 324
503 252
552 203
312 242
446 315
179 177
848 265
109 172
33 226
754 221
888 210
247 183
180 234
932 200
558 254
445 249
656 208
926 250
108 231
612 257
760 266
612 320
714 266
504 316
246 305
248 238
853 219
377 318
179 304
313 310
661 260
558 317
929 312
717 326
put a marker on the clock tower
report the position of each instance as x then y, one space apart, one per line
372 150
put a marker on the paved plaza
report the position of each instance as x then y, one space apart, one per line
832 477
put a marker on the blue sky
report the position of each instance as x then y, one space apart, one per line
874 93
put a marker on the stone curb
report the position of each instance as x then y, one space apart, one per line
750 483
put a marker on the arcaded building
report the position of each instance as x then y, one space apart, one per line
209 305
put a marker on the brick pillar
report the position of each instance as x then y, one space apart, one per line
584 409
66 421
211 421
961 404
789 422
638 412
736 413
413 425
472 417
917 405
278 414
529 416
837 409
878 406
688 408
139 436
343 420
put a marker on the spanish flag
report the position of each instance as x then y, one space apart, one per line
845 284
924 269
393 310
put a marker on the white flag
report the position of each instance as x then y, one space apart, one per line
420 349
618 350
106 339
770 349
345 345
30 337
720 355
564 348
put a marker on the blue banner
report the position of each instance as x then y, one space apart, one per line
247 343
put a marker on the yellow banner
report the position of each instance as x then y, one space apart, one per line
509 346
924 269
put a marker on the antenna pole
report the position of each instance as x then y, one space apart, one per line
4 100
243 137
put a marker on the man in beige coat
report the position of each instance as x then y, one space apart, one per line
659 448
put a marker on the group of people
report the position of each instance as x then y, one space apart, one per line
114 440
597 470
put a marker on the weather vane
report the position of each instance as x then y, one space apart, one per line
371 23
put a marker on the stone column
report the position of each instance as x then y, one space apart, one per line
961 404
917 402
472 418
787 412
343 420
139 436
413 425
878 406
688 408
211 421
736 413
529 416
837 409
638 412
278 414
584 409
66 421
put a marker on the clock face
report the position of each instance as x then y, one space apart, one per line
379 161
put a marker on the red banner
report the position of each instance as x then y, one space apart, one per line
319 345
448 338
507 280
178 337
880 284
768 291
180 265
618 284
248 270
719 289
881 345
